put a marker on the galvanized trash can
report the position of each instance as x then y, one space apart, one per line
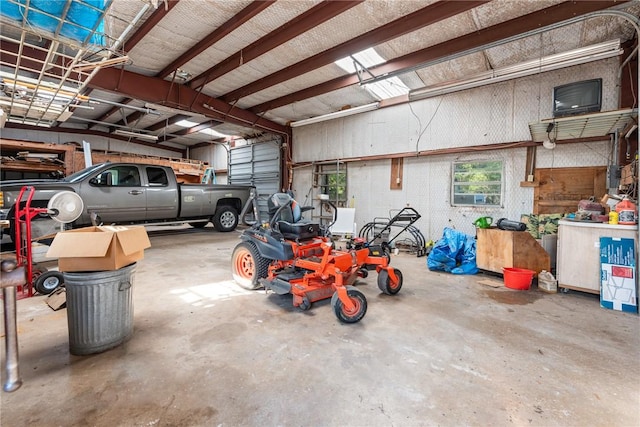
99 309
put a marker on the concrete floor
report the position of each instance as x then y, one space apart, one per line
445 351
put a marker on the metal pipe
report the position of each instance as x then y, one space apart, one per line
12 277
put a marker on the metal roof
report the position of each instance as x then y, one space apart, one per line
248 68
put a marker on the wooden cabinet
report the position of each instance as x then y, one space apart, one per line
579 252
502 248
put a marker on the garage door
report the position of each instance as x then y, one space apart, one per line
258 165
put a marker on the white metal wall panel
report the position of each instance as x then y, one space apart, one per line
492 114
485 115
258 165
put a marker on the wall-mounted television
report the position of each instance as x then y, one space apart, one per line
577 98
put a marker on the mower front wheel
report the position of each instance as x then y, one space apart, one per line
350 315
248 266
387 285
305 304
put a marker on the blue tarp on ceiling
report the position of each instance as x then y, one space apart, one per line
81 18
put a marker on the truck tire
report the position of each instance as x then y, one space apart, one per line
225 219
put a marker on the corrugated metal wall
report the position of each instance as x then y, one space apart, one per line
259 165
486 115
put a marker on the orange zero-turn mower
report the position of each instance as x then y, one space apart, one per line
289 255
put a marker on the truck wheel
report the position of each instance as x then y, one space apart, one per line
225 219
248 266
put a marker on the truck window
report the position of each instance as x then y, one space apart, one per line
157 177
126 176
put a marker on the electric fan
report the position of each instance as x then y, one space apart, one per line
63 207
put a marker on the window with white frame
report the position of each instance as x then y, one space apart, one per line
477 183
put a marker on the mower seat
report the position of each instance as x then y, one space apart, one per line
290 222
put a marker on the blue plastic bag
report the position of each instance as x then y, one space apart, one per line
454 253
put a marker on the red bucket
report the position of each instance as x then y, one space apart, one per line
517 278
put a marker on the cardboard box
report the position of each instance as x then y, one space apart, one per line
57 299
99 248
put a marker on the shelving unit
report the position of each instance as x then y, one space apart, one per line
320 185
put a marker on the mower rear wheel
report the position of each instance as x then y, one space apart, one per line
357 299
248 266
387 285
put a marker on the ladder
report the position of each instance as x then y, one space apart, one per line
209 176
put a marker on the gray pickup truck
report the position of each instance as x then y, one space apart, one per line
131 193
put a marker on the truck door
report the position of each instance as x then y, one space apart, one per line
116 195
162 194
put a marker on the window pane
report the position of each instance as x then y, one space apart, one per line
477 183
157 177
334 183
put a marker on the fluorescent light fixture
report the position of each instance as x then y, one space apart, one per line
548 63
337 114
135 135
187 123
171 110
213 133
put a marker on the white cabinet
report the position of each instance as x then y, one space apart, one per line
578 265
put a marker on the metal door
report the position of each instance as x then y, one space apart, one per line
258 165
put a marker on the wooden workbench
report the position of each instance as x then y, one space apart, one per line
497 248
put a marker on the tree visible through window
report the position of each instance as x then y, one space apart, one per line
477 183
333 181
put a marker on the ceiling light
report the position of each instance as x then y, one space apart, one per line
135 135
337 114
213 133
549 144
171 110
548 63
187 123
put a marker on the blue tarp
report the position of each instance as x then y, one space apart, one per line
454 253
81 18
